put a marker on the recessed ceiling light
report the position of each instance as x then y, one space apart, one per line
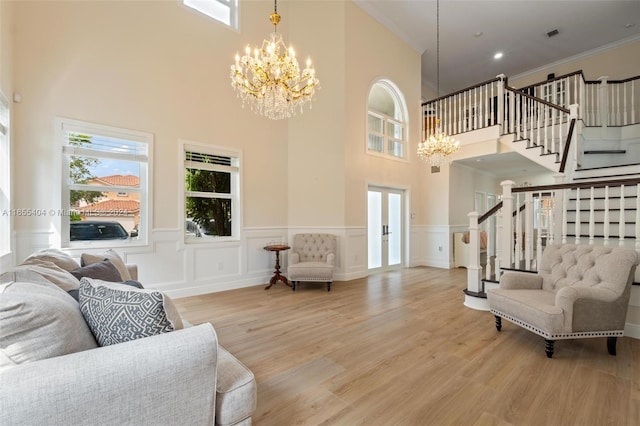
497 55
478 34
630 25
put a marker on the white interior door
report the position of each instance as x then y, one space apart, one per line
385 228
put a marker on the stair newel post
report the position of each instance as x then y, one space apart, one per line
528 229
496 235
603 101
474 271
506 232
518 233
560 211
501 100
577 130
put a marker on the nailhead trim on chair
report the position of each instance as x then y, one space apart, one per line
559 336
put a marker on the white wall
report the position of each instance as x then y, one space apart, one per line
162 68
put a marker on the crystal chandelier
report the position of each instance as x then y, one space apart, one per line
438 147
270 79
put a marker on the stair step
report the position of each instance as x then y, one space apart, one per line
611 237
606 151
480 294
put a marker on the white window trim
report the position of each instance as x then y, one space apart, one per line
234 13
146 180
404 112
235 196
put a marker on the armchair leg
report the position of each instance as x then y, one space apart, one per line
548 347
293 285
498 323
329 286
611 345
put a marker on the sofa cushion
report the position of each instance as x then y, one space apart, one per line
118 313
58 257
39 320
311 271
51 272
113 256
236 390
104 270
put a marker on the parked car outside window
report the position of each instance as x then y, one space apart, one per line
88 230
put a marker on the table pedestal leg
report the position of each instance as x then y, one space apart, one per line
276 274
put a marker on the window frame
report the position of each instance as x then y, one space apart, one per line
400 105
145 191
6 220
232 5
235 194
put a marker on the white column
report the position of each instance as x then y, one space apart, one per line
603 101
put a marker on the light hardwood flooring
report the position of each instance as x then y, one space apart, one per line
400 348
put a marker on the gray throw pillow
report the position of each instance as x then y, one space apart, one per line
104 270
38 320
118 313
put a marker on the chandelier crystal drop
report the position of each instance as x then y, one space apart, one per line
438 148
269 79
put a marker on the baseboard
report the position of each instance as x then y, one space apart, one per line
632 330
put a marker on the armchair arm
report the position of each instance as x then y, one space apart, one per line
164 379
294 258
521 281
591 308
331 259
133 270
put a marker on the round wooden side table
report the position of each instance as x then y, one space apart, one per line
277 276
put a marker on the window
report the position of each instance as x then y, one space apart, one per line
100 164
211 197
386 121
5 177
225 11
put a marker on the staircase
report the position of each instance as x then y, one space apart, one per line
586 131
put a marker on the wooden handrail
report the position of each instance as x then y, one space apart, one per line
490 213
540 100
626 80
462 91
551 80
567 143
573 185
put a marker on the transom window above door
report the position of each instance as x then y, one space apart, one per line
386 121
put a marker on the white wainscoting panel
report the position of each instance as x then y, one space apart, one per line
437 247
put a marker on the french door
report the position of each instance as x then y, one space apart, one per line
385 228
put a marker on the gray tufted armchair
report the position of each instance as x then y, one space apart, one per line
312 258
579 291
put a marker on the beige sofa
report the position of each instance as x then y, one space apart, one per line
579 291
53 372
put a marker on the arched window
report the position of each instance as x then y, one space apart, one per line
386 121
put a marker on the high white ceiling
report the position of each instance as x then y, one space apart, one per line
517 28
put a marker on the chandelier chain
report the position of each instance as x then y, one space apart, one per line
438 147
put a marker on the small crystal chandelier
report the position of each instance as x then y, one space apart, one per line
438 147
270 79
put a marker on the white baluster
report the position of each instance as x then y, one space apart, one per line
621 222
540 202
565 205
518 233
498 237
624 105
592 218
551 231
578 229
528 233
637 217
607 216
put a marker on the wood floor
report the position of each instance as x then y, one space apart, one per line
401 349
